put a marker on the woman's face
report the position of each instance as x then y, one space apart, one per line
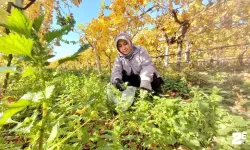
124 47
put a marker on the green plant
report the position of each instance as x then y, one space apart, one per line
176 83
24 40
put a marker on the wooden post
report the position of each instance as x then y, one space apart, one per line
166 56
211 61
197 56
187 55
179 51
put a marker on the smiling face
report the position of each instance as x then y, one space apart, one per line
124 47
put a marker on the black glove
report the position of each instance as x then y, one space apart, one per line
119 84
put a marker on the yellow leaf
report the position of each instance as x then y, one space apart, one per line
198 4
76 2
177 2
248 7
103 4
194 23
236 18
145 2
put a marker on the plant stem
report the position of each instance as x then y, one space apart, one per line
44 110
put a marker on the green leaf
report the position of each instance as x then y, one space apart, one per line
71 58
75 55
16 44
35 97
148 143
129 137
194 142
156 130
53 133
38 23
48 91
50 36
19 23
85 135
101 143
29 71
239 121
223 129
13 109
7 69
82 49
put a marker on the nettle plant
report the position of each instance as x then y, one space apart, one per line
25 41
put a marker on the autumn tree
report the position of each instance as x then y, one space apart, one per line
211 24
126 16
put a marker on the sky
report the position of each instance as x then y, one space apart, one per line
83 14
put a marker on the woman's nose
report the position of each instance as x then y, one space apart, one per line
123 47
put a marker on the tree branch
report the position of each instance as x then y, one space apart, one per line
174 14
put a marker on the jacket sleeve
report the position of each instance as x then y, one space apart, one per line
147 71
117 70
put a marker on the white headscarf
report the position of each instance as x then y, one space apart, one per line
126 37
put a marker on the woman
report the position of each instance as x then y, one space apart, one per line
134 65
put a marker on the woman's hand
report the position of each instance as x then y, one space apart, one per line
119 84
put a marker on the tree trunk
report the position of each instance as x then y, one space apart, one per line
98 63
110 64
18 3
241 56
5 85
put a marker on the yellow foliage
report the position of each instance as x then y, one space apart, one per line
211 25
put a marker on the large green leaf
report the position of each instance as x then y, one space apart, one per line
71 58
82 49
53 133
13 109
16 44
19 23
48 91
50 36
38 22
36 97
75 55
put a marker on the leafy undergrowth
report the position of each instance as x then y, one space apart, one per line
78 117
235 88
